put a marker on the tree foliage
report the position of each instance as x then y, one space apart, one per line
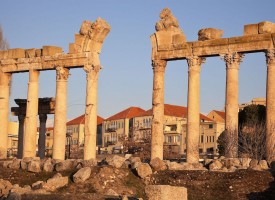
4 45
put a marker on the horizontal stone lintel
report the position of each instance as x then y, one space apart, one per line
215 47
44 62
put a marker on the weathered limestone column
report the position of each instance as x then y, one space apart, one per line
270 105
231 103
91 111
42 136
158 109
4 112
193 109
21 119
60 117
31 115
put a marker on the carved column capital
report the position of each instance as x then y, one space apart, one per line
194 63
159 65
62 73
232 59
270 56
94 68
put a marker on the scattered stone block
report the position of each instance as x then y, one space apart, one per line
57 181
165 192
253 163
176 166
48 166
144 170
34 166
157 164
38 185
115 161
89 163
21 190
64 166
15 164
111 192
6 163
263 164
82 175
216 165
245 162
209 34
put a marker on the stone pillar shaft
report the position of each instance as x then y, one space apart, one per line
42 136
31 115
60 117
231 103
21 119
270 105
4 112
91 111
193 109
158 109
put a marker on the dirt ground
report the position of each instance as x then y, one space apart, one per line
242 184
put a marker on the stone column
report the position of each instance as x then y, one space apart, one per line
231 103
193 109
91 111
21 119
270 105
4 112
30 131
60 116
158 109
42 137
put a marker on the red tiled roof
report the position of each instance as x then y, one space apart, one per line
127 113
220 113
173 110
81 120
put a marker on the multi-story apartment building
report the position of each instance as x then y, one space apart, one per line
76 127
175 129
119 126
254 101
49 141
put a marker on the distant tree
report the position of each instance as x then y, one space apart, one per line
4 45
251 133
251 115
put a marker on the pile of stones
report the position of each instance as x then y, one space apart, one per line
84 169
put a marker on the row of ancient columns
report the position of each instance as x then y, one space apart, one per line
231 106
60 118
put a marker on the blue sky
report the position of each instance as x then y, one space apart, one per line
127 77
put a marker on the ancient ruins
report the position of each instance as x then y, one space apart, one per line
84 53
169 43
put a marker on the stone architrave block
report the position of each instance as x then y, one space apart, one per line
165 192
51 50
16 53
251 29
266 27
74 48
30 53
79 39
3 55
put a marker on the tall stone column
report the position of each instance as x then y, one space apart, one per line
91 111
42 136
4 112
193 109
270 105
21 119
233 61
60 116
158 109
31 115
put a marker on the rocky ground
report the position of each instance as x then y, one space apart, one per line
117 177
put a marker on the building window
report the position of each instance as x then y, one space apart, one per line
48 134
169 139
201 138
210 125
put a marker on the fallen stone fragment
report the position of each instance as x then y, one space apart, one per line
165 192
34 166
144 170
82 175
157 164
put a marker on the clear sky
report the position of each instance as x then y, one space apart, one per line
127 77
